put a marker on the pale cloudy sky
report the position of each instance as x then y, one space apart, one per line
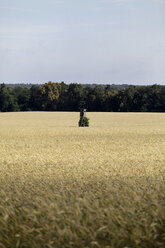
83 41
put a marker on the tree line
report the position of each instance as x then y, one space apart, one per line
62 97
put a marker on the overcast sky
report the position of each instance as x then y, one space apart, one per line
83 41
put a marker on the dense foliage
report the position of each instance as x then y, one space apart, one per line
62 97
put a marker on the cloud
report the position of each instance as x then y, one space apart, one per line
116 1
17 32
158 1
19 9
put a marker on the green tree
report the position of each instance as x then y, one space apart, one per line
50 93
63 99
35 98
8 101
111 101
23 96
75 97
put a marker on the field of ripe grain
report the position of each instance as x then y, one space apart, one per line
67 187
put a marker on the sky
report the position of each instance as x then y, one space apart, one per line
82 41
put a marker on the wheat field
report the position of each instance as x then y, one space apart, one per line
101 186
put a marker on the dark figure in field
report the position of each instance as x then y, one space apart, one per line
82 116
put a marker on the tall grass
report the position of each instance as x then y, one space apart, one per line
62 186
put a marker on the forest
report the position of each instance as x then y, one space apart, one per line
53 96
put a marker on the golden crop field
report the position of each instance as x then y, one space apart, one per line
101 186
